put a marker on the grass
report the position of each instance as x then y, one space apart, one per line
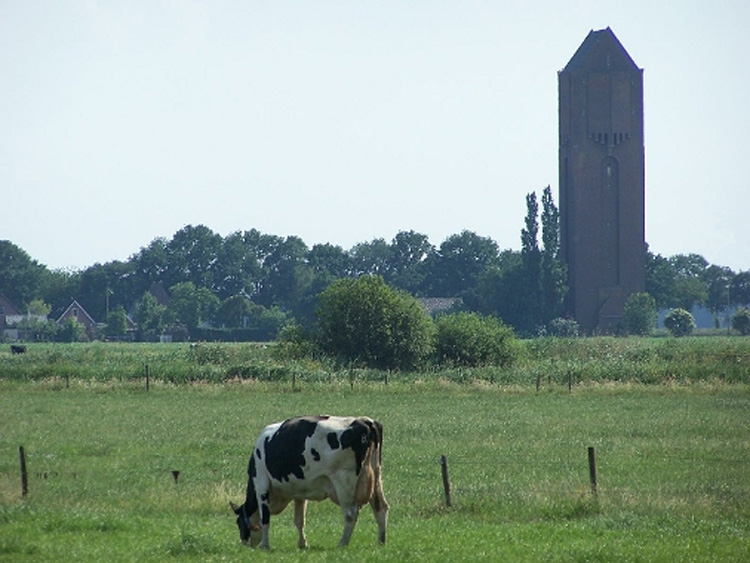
550 361
673 463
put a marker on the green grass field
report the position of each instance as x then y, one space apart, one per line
673 468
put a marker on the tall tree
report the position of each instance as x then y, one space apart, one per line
690 286
408 252
238 268
192 255
718 282
553 272
371 258
660 280
20 276
192 305
740 290
455 268
531 258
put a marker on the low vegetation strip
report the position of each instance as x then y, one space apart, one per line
547 362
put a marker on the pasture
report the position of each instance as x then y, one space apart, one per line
673 466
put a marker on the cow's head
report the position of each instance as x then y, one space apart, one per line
245 525
243 521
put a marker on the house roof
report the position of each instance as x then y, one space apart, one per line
600 51
158 290
7 306
73 305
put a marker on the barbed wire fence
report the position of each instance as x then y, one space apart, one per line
35 471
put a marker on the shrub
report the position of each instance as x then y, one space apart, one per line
469 339
294 342
679 322
363 321
741 321
563 327
639 314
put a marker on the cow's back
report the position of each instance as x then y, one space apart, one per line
302 457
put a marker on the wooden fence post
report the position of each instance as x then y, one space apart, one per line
446 480
24 475
592 471
148 375
538 381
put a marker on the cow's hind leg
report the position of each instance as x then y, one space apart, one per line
380 509
300 507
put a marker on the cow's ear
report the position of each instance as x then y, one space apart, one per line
235 508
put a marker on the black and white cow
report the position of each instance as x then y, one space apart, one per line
313 458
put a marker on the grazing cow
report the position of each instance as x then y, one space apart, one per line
17 349
313 458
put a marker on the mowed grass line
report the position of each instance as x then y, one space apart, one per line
674 472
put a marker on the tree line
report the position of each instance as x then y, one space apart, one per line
253 280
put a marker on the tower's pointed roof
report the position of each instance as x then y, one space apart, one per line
600 51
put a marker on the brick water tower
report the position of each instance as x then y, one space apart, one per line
602 192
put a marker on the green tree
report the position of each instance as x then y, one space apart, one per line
455 268
639 314
364 322
191 256
740 291
470 339
371 258
192 305
530 298
37 329
237 267
39 308
117 322
408 250
72 331
150 316
330 261
741 321
690 285
288 276
660 280
20 276
718 281
553 272
679 322
104 287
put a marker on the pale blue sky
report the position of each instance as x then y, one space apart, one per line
345 121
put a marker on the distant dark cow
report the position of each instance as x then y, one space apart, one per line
313 458
17 349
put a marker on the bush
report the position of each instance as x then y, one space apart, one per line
639 314
679 322
469 339
364 322
741 321
562 327
294 342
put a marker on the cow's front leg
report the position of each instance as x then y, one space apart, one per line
350 512
265 518
300 506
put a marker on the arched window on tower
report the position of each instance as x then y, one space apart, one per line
610 220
